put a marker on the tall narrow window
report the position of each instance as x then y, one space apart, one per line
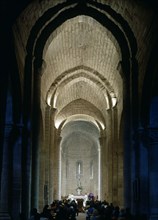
67 167
91 170
79 168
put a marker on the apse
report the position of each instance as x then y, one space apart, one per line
80 159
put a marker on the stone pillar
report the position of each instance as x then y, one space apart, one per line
44 161
127 152
114 146
120 184
51 131
135 172
55 163
153 172
125 68
104 167
139 174
39 67
59 140
145 195
16 164
25 171
10 169
6 175
41 169
109 155
53 159
26 139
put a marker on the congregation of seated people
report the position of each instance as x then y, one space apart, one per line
94 210
58 210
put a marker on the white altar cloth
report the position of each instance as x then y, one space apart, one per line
75 197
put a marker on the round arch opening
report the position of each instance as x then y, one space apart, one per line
79 160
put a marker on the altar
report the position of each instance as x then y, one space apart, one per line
78 198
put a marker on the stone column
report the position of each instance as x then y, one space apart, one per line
104 167
120 175
16 164
39 67
56 158
41 171
26 139
6 175
125 71
25 171
120 167
114 146
153 172
10 167
51 131
139 165
135 172
44 155
109 155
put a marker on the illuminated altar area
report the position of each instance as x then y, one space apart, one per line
84 198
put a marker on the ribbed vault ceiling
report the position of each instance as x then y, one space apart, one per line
81 67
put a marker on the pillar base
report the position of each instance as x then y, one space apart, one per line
154 217
4 216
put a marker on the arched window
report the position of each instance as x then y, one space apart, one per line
79 168
91 170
